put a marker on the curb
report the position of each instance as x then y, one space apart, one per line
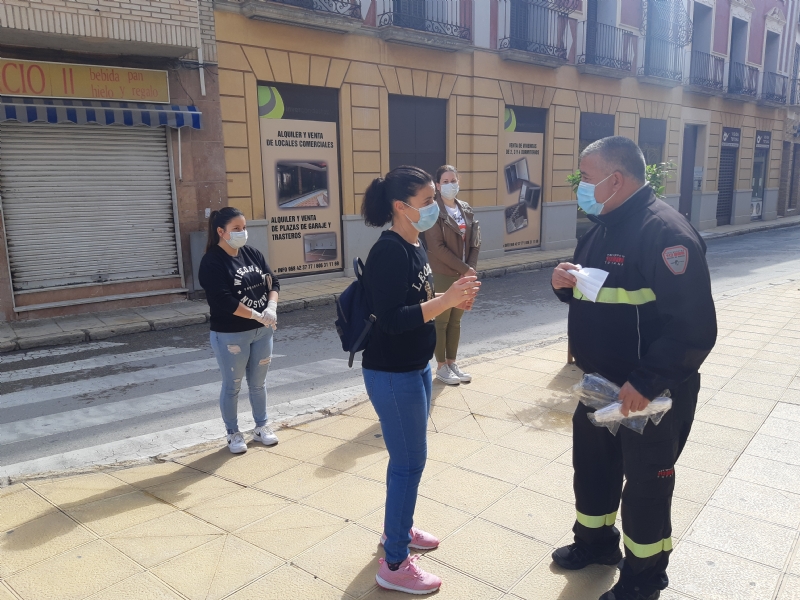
754 229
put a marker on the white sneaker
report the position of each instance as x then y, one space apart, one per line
236 443
463 377
265 435
445 375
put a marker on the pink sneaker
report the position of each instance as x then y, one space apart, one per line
409 578
420 540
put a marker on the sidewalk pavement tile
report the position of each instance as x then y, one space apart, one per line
5 593
120 317
770 473
720 436
755 540
110 515
544 444
81 489
505 464
709 574
238 509
154 474
157 313
501 559
77 573
784 411
289 582
695 485
78 322
549 582
305 446
18 505
758 501
292 530
794 567
464 490
350 457
216 569
790 589
442 417
781 428
684 512
481 427
743 403
765 446
730 418
192 490
154 542
349 428
555 480
38 540
300 481
199 307
254 466
532 514
338 499
142 586
347 560
707 458
450 448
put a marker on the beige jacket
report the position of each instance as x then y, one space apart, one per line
446 246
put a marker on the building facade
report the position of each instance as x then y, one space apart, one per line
508 91
110 152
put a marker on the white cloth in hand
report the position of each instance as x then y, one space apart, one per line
589 281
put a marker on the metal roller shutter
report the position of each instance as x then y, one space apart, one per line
727 172
86 204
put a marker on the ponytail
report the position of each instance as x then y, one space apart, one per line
401 184
220 218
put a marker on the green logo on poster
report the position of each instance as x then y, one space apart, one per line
270 103
510 120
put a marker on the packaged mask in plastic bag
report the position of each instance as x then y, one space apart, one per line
599 393
589 281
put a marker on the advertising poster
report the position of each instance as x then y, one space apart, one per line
301 189
520 177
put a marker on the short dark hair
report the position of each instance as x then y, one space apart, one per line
621 154
401 184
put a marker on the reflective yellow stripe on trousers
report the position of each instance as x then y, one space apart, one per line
620 296
596 522
647 550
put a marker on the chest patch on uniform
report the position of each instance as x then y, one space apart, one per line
676 259
615 259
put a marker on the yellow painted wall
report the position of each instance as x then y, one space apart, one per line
478 85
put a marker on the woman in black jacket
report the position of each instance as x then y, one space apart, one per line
395 364
242 292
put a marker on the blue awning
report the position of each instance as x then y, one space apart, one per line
81 112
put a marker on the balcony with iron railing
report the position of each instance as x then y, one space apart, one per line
442 24
605 50
534 31
341 16
794 92
663 62
774 89
742 80
706 73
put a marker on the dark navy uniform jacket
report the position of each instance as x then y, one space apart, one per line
654 321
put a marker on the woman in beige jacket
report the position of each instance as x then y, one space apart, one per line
453 244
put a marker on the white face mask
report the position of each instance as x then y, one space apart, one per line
449 190
237 239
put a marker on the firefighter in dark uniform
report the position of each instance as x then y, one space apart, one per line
651 328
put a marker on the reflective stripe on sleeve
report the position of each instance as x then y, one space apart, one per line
596 522
647 550
620 296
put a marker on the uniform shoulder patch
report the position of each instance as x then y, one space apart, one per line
676 259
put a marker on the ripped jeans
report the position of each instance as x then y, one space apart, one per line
238 354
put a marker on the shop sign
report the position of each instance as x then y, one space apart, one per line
38 79
520 176
301 186
731 137
763 140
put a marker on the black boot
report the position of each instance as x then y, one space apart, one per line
578 556
623 591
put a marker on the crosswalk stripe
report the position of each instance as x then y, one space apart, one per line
154 444
107 382
275 378
112 412
35 354
91 363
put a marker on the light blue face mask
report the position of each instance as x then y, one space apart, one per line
427 216
586 199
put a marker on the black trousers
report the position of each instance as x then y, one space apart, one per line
647 463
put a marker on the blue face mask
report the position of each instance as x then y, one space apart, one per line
586 199
427 216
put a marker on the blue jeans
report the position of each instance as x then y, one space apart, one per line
238 354
403 402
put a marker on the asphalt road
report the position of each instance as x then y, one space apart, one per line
67 399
